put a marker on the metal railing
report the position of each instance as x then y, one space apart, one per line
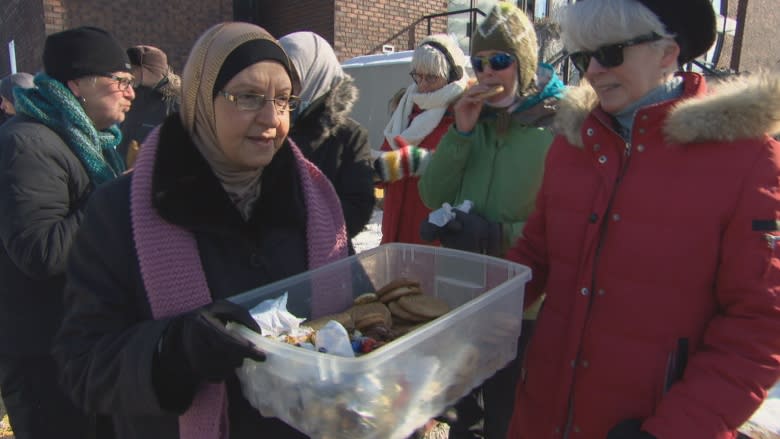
411 29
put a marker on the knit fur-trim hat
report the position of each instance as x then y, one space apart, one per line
508 29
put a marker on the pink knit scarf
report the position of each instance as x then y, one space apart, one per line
175 281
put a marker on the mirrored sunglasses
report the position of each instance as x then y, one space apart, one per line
610 55
498 61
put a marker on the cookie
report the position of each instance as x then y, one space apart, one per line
400 282
344 318
368 320
492 91
425 306
370 314
397 310
365 298
399 292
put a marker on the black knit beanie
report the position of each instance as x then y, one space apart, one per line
83 51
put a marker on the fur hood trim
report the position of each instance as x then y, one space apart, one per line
334 108
739 108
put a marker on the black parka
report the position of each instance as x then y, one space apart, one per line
150 108
108 340
339 147
43 193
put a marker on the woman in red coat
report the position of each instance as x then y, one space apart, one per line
654 236
421 118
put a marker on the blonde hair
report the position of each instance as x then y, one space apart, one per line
589 25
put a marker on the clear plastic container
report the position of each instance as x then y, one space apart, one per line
395 389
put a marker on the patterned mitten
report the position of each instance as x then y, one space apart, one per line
406 161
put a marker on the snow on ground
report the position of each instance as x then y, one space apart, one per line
371 235
768 415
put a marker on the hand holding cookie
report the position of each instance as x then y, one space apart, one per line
469 105
490 92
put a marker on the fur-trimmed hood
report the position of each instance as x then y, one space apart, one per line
323 117
739 108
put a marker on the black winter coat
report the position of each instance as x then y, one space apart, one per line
339 147
108 339
150 108
43 193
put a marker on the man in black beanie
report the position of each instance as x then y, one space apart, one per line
156 96
55 152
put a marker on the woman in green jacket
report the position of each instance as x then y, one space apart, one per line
493 155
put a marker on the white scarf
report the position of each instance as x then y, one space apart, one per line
434 105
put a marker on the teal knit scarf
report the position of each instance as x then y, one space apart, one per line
55 106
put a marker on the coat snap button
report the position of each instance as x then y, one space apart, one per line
594 217
616 217
590 132
584 291
644 117
602 159
640 148
585 364
601 292
596 147
641 131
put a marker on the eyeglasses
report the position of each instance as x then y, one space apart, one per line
254 102
122 82
421 77
498 61
610 55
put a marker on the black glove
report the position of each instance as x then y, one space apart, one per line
472 232
196 347
629 429
429 231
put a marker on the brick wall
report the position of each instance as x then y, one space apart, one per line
362 26
283 17
353 27
172 25
21 21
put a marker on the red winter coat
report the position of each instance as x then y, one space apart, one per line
403 210
636 252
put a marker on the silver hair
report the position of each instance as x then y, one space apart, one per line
428 60
589 25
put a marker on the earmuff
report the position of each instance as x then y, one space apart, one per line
456 71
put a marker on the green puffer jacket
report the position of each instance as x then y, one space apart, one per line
499 172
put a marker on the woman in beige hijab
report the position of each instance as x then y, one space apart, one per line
220 202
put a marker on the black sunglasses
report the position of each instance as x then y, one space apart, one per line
610 55
498 61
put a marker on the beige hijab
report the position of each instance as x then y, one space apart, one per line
197 106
